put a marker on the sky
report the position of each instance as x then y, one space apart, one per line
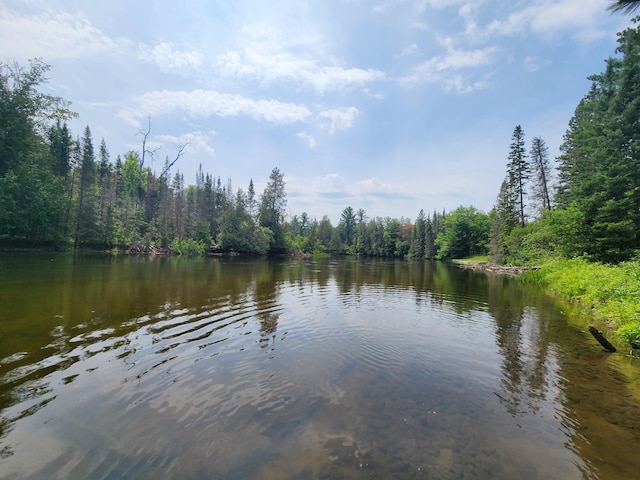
391 106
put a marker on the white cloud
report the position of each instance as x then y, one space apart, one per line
445 69
418 5
331 181
54 36
307 137
196 142
206 103
374 185
267 55
549 16
531 64
410 50
338 118
170 59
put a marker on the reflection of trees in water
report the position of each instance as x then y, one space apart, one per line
523 346
265 295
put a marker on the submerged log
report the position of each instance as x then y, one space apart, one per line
597 334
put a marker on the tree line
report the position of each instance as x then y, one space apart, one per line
63 192
60 191
593 207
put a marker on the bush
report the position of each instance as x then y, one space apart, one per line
612 291
631 333
188 246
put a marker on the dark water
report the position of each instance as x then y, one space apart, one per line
115 367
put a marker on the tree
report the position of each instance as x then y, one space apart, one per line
505 219
60 146
518 170
624 6
466 233
86 219
272 210
251 200
325 232
429 240
541 170
599 165
347 225
419 236
25 111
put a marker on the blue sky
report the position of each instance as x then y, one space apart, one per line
387 105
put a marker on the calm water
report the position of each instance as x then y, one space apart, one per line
116 367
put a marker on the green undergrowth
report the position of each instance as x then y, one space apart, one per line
610 292
475 259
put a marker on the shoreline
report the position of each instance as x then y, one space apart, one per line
494 268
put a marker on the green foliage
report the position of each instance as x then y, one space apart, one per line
188 246
518 172
611 292
599 166
631 333
31 203
272 211
466 233
347 225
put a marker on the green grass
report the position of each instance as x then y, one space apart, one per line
610 292
475 259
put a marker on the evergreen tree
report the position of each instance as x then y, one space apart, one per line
599 165
624 6
347 225
86 219
272 210
505 219
418 242
429 240
60 145
251 200
518 171
541 171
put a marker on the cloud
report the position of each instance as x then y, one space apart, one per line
409 50
266 55
54 36
170 59
445 69
196 142
207 103
417 5
333 181
374 188
531 64
311 141
547 17
338 118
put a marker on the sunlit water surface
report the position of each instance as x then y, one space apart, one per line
234 368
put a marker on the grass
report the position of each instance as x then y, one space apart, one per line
475 259
610 292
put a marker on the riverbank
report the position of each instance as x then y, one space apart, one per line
488 267
608 295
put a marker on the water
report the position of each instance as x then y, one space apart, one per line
234 368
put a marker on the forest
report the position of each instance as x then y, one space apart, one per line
65 192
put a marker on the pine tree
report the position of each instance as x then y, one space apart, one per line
518 171
541 171
505 219
599 166
419 236
624 6
272 210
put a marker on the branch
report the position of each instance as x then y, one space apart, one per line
179 154
145 150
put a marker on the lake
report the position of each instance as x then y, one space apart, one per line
251 368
